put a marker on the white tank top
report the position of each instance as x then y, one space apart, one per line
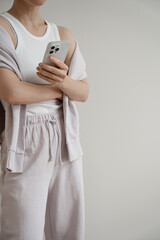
30 50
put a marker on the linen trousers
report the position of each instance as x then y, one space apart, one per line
48 196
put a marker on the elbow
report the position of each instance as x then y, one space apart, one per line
85 98
9 100
12 99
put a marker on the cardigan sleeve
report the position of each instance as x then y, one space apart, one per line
8 55
77 69
5 59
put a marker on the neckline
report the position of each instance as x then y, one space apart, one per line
29 33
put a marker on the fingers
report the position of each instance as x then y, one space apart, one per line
60 74
51 73
59 63
43 77
53 69
51 80
49 70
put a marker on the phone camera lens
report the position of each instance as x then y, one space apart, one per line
52 47
57 49
51 52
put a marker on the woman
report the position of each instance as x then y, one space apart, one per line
44 197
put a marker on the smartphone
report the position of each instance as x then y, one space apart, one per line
58 49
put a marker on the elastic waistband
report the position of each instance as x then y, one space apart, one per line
38 118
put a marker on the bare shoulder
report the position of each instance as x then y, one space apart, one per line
66 34
6 26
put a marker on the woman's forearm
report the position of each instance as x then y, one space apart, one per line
27 93
76 90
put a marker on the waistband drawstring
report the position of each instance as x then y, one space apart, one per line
57 153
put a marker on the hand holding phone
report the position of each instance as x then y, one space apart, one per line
58 49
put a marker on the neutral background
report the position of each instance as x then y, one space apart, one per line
120 122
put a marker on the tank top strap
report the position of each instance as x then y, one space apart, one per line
56 31
11 23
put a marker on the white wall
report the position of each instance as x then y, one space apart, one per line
120 122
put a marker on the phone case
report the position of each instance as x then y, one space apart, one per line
58 49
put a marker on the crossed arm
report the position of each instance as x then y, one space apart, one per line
14 91
76 90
